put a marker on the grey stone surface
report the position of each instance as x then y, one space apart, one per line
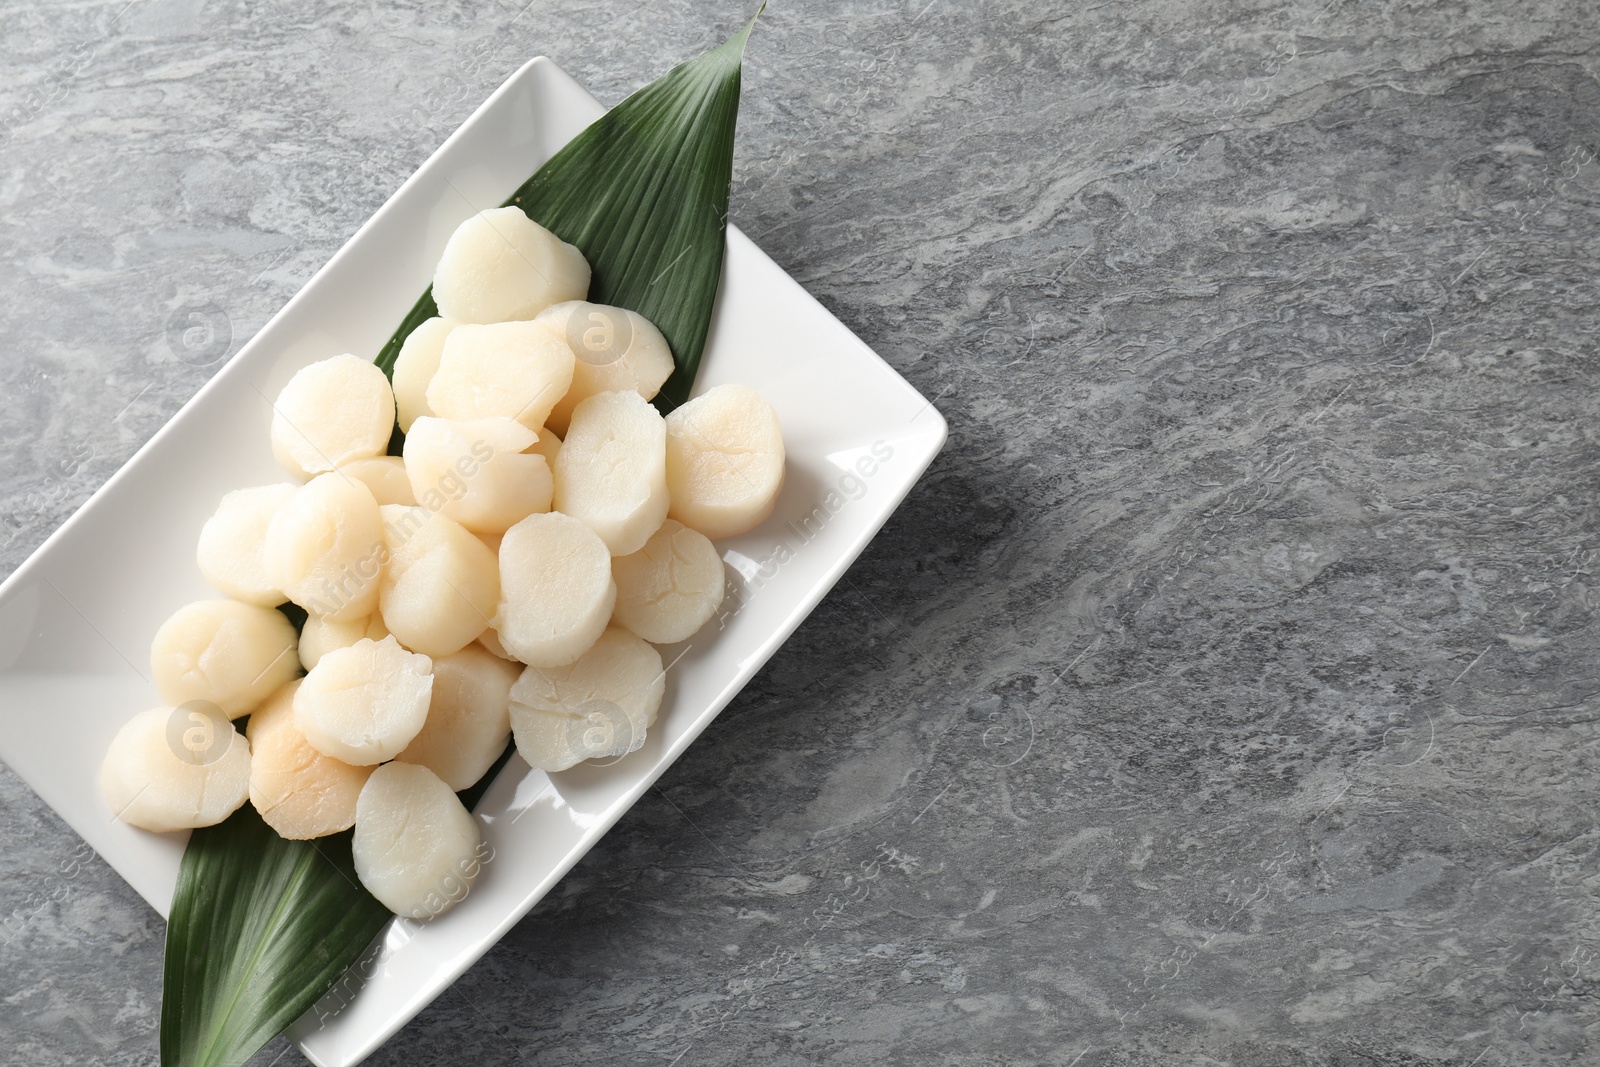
1226 694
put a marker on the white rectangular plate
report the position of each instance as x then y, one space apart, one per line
77 618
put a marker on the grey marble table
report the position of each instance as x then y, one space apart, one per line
1226 694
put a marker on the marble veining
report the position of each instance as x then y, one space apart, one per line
1224 695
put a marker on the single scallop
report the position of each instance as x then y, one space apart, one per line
548 445
477 472
595 708
440 586
615 349
319 636
468 717
223 653
611 472
414 368
330 413
384 476
724 461
416 845
671 587
297 790
365 703
176 769
500 265
515 369
232 550
556 591
490 639
325 550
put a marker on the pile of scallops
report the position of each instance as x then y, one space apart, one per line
508 575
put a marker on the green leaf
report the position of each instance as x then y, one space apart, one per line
268 926
261 927
295 614
643 193
423 310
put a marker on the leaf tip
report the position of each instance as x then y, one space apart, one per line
735 44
